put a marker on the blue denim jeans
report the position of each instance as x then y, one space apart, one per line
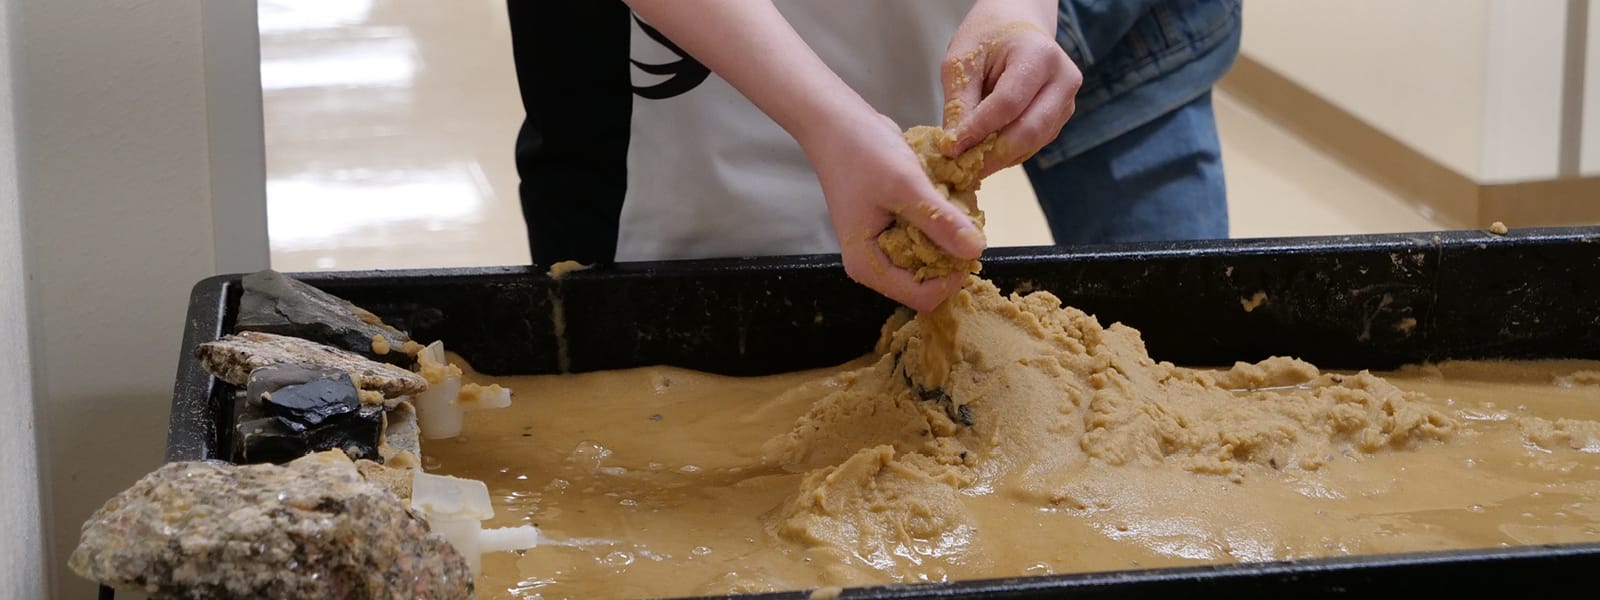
1140 59
1161 181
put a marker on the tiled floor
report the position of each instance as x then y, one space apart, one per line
390 126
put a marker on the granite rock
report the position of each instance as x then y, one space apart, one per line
234 357
312 529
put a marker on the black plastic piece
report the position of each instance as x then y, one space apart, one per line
310 404
1346 302
288 411
357 434
268 440
276 439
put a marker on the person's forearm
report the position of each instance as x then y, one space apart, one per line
751 45
1039 13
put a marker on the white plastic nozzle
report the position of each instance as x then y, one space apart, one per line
439 411
507 539
440 407
456 508
452 497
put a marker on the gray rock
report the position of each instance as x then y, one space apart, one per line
402 438
313 529
275 303
266 380
233 357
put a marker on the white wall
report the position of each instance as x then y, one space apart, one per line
1591 96
1473 84
1526 65
116 174
21 544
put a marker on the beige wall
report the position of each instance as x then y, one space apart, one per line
117 165
1473 84
1413 68
21 543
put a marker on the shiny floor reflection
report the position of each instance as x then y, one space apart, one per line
390 127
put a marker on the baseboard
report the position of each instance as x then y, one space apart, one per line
1554 202
1450 197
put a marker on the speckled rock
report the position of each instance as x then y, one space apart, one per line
233 357
312 529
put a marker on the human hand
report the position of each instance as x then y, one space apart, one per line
1005 73
869 175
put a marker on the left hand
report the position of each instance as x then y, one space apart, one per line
1005 73
869 175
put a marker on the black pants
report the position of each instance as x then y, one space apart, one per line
573 70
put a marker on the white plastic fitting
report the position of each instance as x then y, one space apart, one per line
440 407
456 508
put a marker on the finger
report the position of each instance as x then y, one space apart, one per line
1018 84
1038 125
944 223
929 294
962 76
866 263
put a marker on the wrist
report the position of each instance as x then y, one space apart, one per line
829 123
1037 13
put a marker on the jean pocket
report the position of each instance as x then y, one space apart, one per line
1182 137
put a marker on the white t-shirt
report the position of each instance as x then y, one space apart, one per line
710 175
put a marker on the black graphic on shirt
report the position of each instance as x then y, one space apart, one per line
684 74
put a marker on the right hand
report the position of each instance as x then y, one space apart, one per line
869 175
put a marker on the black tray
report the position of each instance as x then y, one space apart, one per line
1348 302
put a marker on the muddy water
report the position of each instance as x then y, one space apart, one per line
651 482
